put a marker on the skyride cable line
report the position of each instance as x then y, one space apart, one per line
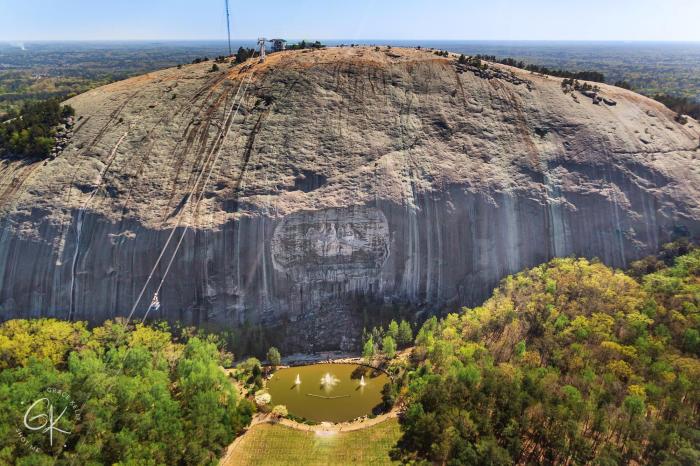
228 120
155 302
216 147
101 179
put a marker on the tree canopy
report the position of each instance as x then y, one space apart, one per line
141 398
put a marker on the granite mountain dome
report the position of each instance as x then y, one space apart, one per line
321 179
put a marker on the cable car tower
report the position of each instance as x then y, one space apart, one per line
261 43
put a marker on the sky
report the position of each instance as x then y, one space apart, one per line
627 20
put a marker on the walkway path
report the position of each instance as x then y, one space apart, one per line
341 426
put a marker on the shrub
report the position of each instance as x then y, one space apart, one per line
280 411
680 118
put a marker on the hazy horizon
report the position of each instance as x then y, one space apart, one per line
347 41
178 20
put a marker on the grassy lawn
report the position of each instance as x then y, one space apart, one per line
267 444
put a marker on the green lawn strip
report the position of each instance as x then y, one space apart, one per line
279 445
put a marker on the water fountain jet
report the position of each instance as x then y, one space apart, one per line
297 381
329 380
362 381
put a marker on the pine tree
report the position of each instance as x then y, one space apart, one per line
389 347
405 335
368 350
393 330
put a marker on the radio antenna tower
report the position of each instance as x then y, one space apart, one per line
228 29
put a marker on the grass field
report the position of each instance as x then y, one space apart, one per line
267 444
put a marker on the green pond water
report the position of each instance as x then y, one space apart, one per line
327 392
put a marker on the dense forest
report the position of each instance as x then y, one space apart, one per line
570 362
130 395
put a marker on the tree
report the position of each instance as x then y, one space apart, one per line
388 396
389 347
199 383
214 68
393 330
405 334
274 357
377 334
243 54
691 341
280 411
368 350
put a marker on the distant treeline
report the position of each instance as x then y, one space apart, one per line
594 76
244 53
306 45
29 132
680 105
20 96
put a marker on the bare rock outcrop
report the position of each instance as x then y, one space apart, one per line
321 185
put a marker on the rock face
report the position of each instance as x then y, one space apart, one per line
283 194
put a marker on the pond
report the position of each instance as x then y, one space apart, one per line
328 392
